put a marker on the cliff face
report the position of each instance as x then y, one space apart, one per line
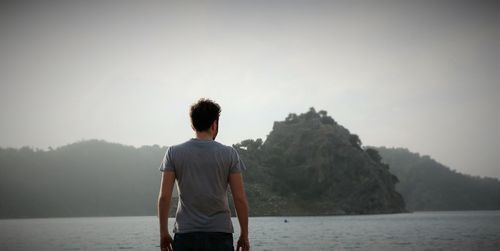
309 164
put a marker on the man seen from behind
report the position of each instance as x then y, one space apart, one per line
203 168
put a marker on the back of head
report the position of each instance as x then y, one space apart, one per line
203 113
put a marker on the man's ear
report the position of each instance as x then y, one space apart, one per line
214 125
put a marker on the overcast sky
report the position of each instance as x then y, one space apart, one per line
423 75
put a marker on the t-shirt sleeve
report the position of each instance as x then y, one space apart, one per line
167 163
237 164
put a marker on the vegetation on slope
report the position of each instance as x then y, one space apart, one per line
429 185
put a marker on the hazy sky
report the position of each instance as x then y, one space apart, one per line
417 74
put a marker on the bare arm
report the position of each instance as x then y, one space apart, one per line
167 185
241 205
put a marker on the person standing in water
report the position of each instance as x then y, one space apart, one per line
203 168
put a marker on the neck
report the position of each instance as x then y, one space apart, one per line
204 136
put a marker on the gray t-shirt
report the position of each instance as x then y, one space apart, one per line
202 169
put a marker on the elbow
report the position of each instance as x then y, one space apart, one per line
164 199
240 201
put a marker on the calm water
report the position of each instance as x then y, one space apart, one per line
473 230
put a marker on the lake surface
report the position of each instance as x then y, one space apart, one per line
471 230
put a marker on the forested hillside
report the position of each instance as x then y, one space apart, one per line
429 185
310 164
87 178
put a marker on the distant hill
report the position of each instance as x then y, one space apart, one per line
87 178
429 185
310 165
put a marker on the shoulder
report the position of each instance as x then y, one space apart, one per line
227 148
232 152
177 147
182 145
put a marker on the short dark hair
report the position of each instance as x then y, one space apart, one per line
203 113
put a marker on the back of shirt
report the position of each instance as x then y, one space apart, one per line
202 169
